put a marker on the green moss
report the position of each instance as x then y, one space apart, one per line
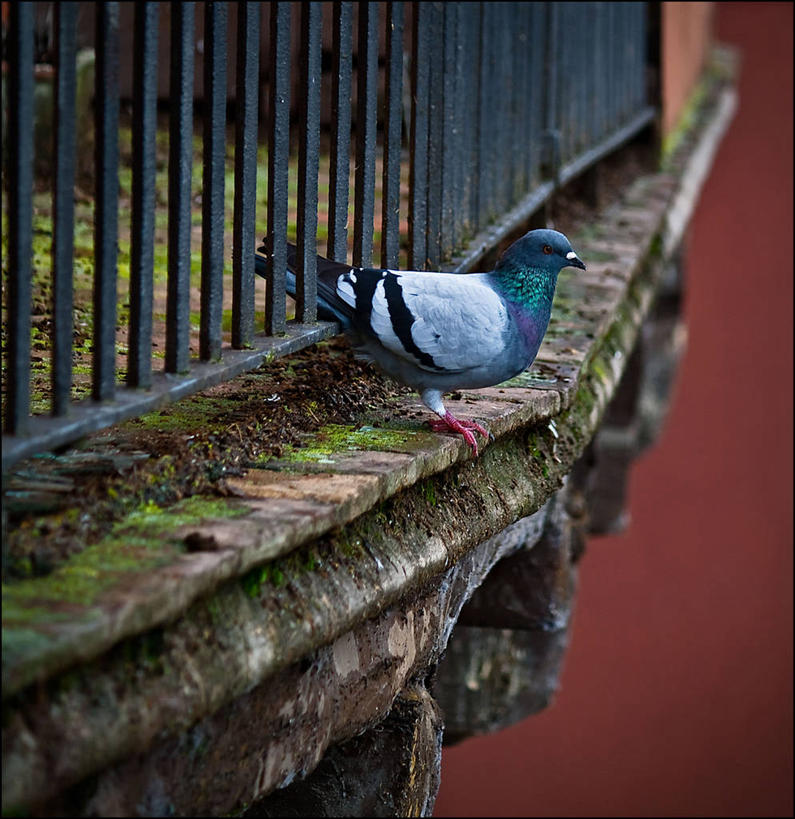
715 73
599 368
139 542
197 412
253 581
429 492
334 439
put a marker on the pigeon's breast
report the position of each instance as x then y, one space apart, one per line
530 328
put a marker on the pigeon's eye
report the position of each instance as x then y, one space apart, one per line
547 249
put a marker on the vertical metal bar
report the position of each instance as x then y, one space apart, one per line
572 77
565 90
537 79
518 101
366 111
278 155
623 48
596 67
435 136
20 214
63 206
461 122
643 55
486 129
180 163
106 233
418 137
247 94
637 39
605 31
479 160
559 60
621 41
496 102
342 51
629 34
213 180
531 81
469 115
579 80
504 136
586 116
308 162
449 140
627 49
613 104
142 258
604 69
390 205
640 57
551 141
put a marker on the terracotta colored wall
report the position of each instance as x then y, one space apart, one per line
676 696
686 36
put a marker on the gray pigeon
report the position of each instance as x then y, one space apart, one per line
438 332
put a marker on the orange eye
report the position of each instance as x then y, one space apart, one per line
547 249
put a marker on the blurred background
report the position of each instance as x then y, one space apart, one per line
676 694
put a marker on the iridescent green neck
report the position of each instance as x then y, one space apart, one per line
529 287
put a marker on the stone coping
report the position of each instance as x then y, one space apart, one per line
149 571
249 570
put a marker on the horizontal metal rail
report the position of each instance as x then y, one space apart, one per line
46 432
485 112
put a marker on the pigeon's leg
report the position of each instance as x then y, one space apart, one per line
449 423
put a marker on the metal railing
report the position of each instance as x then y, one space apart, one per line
507 100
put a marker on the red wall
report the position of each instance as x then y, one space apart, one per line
686 32
676 697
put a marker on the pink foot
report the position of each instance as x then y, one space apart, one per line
448 423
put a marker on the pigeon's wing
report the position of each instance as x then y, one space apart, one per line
441 322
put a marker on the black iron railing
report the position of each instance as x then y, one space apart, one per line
504 102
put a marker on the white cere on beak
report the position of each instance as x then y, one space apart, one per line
571 255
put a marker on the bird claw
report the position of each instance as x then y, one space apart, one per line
448 423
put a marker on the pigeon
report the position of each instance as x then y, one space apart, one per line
441 332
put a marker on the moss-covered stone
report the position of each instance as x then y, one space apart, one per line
142 541
334 439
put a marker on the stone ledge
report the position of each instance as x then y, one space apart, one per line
188 561
206 639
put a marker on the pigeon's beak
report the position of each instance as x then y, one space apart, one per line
573 260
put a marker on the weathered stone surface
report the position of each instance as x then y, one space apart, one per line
390 770
497 678
637 411
267 735
532 589
135 601
504 657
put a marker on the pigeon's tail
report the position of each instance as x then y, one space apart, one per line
330 307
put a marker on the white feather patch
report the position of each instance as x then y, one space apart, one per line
345 291
381 321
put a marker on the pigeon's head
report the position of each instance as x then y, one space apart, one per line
543 249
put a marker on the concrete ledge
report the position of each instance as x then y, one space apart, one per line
148 637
